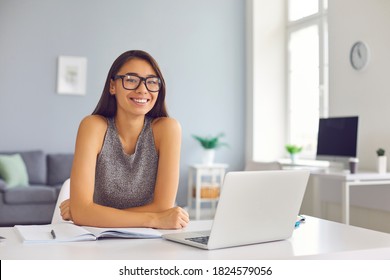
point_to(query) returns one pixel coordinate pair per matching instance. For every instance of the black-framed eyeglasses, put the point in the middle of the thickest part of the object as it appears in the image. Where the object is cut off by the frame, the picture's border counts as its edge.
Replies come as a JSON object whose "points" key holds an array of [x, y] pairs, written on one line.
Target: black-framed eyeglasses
{"points": [[132, 81]]}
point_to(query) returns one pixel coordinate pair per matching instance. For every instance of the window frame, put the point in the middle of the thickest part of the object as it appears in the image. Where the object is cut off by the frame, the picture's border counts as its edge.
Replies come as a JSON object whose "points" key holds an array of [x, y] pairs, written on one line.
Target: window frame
{"points": [[320, 20]]}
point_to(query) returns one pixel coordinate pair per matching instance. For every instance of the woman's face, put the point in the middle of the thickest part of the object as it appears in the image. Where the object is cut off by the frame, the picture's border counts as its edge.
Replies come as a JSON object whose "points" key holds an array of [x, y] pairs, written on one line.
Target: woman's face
{"points": [[140, 100]]}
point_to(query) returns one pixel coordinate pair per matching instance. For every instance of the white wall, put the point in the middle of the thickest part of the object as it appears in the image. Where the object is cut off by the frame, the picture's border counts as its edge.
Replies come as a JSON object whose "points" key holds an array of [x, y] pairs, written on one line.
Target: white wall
{"points": [[265, 80], [365, 93]]}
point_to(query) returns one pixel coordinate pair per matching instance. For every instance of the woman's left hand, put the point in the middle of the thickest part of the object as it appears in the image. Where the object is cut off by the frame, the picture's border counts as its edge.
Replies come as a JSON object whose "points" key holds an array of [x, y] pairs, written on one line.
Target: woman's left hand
{"points": [[65, 210]]}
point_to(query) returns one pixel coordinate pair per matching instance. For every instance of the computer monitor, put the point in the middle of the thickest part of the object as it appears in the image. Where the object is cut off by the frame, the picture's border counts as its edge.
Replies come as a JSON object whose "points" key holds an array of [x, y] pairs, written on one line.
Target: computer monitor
{"points": [[337, 139]]}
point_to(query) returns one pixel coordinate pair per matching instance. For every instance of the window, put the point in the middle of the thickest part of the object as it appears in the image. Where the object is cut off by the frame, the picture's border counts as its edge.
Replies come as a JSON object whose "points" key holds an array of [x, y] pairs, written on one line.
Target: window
{"points": [[307, 72]]}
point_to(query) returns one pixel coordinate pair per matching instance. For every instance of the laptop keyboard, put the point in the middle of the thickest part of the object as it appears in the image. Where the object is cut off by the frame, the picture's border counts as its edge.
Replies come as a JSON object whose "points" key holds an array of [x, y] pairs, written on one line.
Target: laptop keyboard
{"points": [[201, 239]]}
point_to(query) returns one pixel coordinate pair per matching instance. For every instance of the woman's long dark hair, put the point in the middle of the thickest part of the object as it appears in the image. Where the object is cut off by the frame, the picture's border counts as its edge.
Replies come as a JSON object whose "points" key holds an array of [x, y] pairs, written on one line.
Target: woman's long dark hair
{"points": [[107, 104]]}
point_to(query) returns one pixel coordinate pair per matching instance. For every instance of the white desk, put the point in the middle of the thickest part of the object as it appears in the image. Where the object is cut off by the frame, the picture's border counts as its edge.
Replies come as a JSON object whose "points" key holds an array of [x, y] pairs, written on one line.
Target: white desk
{"points": [[349, 180], [306, 163], [315, 239]]}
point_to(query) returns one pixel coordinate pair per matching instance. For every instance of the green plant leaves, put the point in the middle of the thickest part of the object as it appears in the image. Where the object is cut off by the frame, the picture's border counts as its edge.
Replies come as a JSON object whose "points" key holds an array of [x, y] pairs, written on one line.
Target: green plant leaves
{"points": [[380, 152], [293, 149], [210, 142]]}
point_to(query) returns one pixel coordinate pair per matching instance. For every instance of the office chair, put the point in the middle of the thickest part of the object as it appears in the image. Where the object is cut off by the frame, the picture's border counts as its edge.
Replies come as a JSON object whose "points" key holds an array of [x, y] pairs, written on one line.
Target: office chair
{"points": [[262, 165], [63, 195]]}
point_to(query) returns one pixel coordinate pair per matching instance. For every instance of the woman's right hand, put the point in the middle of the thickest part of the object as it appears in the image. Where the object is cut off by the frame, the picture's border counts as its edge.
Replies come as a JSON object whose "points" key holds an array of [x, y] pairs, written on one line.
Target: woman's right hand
{"points": [[173, 218], [65, 210]]}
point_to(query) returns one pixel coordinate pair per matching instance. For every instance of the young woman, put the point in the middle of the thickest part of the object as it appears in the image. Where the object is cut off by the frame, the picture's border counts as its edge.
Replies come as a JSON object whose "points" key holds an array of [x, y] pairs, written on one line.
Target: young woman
{"points": [[125, 171]]}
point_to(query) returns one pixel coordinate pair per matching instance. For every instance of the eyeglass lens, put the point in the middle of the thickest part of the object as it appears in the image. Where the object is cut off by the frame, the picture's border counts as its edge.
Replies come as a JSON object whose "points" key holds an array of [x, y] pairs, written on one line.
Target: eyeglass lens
{"points": [[132, 82]]}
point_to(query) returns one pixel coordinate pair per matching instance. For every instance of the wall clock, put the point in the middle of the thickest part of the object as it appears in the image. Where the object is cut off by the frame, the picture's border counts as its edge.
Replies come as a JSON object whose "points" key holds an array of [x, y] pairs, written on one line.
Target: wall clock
{"points": [[359, 55]]}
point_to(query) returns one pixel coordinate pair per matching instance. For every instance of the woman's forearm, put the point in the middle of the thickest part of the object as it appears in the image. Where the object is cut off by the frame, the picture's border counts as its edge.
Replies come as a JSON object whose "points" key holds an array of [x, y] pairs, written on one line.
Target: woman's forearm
{"points": [[153, 207], [102, 216]]}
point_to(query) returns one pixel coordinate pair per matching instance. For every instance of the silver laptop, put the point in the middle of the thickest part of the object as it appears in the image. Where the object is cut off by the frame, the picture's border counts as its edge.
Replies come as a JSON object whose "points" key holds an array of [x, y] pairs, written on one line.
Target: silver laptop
{"points": [[254, 207]]}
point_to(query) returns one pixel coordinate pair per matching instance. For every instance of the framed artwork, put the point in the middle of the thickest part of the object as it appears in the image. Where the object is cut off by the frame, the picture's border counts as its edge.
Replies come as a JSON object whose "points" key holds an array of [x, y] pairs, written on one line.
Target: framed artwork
{"points": [[72, 75]]}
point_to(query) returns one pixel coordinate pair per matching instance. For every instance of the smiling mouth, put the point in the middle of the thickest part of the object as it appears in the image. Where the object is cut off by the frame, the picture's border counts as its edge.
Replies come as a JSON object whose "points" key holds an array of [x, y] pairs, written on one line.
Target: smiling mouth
{"points": [[140, 100]]}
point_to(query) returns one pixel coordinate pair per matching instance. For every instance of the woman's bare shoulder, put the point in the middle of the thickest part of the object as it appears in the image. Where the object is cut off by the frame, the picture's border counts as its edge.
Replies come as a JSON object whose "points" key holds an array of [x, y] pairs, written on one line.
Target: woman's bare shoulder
{"points": [[166, 125], [91, 133], [94, 123]]}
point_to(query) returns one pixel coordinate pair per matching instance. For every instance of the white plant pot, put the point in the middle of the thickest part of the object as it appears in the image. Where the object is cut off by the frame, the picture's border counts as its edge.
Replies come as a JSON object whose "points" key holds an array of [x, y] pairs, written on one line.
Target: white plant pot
{"points": [[208, 156], [382, 164], [293, 158]]}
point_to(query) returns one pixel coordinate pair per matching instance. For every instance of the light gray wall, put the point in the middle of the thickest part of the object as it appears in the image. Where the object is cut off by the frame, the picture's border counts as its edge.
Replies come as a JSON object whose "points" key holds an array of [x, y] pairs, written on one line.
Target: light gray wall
{"points": [[199, 45], [365, 93]]}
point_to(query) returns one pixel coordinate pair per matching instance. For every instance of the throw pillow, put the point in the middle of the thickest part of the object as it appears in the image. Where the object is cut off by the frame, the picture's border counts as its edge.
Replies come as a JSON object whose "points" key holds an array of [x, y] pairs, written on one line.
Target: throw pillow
{"points": [[13, 170]]}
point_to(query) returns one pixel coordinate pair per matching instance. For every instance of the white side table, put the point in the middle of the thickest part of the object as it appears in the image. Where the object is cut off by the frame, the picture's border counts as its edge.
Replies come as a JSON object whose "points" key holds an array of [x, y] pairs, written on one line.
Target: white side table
{"points": [[209, 174]]}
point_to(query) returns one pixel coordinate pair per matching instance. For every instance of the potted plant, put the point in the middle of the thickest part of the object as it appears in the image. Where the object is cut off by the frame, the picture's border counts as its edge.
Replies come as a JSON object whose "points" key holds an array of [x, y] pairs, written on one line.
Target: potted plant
{"points": [[382, 161], [293, 150], [210, 144]]}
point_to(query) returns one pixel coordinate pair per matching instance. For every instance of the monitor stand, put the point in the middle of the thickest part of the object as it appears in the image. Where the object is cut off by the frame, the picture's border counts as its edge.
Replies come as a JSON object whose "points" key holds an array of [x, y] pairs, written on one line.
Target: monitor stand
{"points": [[335, 163]]}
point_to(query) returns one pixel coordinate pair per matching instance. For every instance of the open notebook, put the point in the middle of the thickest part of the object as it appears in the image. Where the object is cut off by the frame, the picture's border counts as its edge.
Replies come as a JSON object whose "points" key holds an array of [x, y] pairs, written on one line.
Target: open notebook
{"points": [[68, 232]]}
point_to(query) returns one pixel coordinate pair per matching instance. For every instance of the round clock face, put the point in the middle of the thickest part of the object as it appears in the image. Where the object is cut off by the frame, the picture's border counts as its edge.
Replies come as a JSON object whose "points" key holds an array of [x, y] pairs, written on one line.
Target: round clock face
{"points": [[359, 55]]}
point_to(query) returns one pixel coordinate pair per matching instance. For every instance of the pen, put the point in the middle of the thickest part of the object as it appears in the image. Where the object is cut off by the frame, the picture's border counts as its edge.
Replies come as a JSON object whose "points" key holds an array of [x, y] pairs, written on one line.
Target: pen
{"points": [[53, 234]]}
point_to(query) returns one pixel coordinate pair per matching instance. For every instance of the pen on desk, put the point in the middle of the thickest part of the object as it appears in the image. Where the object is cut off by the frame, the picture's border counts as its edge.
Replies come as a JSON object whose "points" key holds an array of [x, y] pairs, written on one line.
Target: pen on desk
{"points": [[53, 234]]}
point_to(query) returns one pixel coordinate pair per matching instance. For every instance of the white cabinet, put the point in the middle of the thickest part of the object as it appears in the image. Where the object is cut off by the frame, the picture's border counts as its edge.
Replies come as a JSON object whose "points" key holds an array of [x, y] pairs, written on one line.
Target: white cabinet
{"points": [[204, 185]]}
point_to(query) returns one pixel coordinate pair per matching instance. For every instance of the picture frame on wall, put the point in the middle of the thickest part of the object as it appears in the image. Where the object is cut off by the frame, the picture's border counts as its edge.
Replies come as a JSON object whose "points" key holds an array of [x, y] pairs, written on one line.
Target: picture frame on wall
{"points": [[72, 75]]}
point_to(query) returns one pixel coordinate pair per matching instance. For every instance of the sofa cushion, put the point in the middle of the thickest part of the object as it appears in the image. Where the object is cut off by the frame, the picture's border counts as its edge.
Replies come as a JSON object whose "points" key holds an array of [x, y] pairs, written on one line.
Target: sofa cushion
{"points": [[13, 170], [36, 166], [35, 163], [30, 195], [58, 168]]}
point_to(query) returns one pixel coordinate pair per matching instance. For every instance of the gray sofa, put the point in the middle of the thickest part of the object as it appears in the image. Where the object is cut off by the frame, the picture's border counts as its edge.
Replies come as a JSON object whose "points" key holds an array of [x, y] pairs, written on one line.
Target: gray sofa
{"points": [[35, 203]]}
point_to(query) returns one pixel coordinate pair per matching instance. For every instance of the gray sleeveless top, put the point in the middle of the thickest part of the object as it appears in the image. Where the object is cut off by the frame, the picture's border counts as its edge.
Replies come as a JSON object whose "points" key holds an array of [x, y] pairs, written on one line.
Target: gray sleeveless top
{"points": [[122, 180]]}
